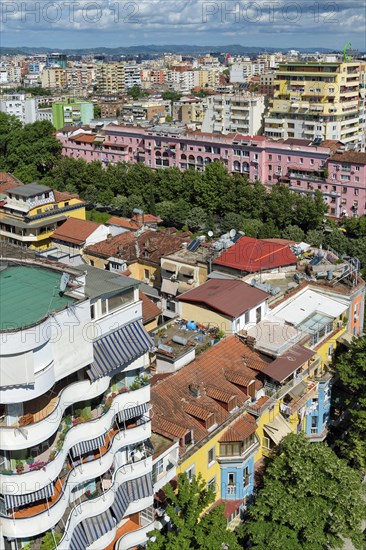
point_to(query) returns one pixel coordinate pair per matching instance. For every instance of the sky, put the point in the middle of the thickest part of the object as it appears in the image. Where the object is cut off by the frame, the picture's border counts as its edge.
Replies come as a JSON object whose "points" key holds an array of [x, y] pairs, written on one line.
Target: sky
{"points": [[113, 23]]}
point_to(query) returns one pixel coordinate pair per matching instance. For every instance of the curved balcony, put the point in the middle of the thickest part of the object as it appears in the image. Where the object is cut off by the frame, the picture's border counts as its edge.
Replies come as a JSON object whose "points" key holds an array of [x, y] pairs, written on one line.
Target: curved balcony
{"points": [[31, 481], [51, 515], [12, 439], [134, 538]]}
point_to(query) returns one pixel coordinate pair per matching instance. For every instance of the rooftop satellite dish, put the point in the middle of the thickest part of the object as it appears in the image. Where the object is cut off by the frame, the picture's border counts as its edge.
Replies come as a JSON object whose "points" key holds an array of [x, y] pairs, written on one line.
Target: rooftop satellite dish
{"points": [[232, 233], [210, 234]]}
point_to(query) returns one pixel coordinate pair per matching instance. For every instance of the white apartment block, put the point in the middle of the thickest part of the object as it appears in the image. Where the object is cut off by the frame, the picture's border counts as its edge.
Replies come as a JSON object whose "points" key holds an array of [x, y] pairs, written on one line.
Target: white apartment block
{"points": [[234, 113], [20, 106], [75, 455]]}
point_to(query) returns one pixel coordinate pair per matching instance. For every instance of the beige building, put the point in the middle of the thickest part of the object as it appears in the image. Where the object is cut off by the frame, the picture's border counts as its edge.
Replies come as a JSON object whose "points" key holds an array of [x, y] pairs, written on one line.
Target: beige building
{"points": [[242, 113], [316, 100], [54, 78], [110, 78]]}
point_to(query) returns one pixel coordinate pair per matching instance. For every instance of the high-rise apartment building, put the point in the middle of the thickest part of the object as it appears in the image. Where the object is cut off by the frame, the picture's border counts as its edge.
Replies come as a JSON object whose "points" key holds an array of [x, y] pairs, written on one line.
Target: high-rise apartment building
{"points": [[242, 113], [54, 78], [316, 100], [75, 457], [110, 78], [72, 113]]}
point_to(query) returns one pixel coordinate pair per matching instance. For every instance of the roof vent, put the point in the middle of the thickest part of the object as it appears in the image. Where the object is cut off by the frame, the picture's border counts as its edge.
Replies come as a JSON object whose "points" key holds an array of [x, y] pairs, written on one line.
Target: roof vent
{"points": [[194, 390]]}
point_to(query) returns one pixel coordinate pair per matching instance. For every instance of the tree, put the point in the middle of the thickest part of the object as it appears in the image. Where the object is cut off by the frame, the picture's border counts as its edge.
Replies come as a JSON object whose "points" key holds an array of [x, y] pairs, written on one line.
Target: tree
{"points": [[196, 218], [314, 237], [310, 500], [171, 96], [338, 241], [97, 111], [293, 233], [191, 527], [136, 91], [351, 369]]}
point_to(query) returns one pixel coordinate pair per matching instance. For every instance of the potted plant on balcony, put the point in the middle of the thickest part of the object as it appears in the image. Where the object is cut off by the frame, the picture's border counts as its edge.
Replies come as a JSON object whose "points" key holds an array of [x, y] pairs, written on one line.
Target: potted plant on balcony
{"points": [[7, 472], [29, 460], [52, 455], [19, 466], [124, 389]]}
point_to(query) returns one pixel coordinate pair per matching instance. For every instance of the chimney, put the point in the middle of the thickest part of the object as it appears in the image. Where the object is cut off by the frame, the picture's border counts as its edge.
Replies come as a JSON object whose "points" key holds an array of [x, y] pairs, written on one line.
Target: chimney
{"points": [[109, 237], [194, 390]]}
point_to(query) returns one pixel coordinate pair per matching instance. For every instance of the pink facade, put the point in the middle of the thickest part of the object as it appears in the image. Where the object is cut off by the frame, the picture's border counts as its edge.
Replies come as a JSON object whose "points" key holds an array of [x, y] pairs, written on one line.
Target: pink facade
{"points": [[341, 177]]}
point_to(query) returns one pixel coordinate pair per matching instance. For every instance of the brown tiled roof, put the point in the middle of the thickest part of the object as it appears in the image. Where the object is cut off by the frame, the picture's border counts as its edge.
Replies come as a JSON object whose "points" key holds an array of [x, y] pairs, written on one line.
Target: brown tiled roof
{"points": [[63, 196], [126, 223], [218, 395], [75, 231], [170, 396], [197, 412], [7, 181], [238, 379], [227, 296], [164, 425], [151, 246], [83, 138], [149, 309], [349, 156], [240, 430]]}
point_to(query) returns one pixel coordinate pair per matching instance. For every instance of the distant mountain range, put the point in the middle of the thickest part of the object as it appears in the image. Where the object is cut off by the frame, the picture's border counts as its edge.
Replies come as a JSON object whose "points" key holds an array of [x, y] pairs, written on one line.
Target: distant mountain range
{"points": [[184, 49]]}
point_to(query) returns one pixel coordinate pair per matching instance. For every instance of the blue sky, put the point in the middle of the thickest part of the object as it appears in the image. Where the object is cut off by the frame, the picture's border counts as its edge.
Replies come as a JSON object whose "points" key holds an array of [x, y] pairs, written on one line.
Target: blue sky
{"points": [[113, 23]]}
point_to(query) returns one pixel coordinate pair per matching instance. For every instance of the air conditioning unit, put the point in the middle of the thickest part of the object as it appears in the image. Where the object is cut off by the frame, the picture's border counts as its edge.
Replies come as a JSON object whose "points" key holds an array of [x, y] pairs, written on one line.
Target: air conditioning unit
{"points": [[173, 277], [190, 281], [152, 277], [340, 324], [147, 280]]}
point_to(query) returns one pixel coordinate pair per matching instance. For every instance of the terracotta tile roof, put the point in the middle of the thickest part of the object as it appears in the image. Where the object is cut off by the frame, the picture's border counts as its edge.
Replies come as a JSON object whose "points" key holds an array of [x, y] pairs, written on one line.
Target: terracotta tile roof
{"points": [[239, 379], [83, 138], [240, 430], [171, 396], [218, 395], [63, 196], [126, 223], [349, 156], [149, 246], [164, 425], [288, 363], [75, 231], [7, 181], [149, 309], [230, 506], [253, 255], [227, 296], [197, 412]]}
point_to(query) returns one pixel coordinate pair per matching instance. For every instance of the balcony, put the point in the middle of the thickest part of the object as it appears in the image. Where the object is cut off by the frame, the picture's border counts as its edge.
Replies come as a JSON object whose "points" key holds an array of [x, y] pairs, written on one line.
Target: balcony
{"points": [[135, 536], [277, 393], [50, 461], [40, 517]]}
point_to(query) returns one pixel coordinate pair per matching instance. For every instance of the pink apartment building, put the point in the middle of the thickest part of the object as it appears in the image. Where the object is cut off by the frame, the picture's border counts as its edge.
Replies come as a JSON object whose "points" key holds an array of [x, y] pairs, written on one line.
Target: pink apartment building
{"points": [[302, 165]]}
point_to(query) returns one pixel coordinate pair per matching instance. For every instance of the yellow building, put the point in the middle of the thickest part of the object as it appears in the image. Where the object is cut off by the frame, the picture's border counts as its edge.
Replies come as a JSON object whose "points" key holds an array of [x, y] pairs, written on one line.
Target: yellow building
{"points": [[316, 100], [54, 78], [29, 214], [110, 78]]}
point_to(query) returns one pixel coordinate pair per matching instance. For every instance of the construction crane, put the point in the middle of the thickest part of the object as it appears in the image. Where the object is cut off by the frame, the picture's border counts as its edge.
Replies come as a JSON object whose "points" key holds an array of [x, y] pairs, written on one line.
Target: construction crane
{"points": [[347, 58]]}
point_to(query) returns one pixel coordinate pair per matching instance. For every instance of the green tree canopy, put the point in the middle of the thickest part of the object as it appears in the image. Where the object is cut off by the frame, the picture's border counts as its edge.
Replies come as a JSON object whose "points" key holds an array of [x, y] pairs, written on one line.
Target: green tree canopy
{"points": [[351, 369], [191, 528], [310, 500]]}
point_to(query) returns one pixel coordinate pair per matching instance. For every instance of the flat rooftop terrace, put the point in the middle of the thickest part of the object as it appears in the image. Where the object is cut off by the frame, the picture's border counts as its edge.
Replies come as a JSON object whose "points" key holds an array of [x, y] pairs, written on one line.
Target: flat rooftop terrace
{"points": [[28, 294]]}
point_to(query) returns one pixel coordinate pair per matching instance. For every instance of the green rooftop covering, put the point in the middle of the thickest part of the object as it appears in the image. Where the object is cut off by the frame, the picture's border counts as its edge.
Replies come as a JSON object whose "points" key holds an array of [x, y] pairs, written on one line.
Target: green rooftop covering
{"points": [[28, 294]]}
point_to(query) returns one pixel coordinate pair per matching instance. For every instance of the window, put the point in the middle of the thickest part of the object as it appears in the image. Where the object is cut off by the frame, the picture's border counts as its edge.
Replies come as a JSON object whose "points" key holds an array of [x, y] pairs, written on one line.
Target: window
{"points": [[270, 157], [246, 318], [258, 314], [266, 442], [355, 192], [344, 189], [301, 161], [211, 455], [146, 274], [159, 467], [190, 472], [212, 483], [92, 311], [230, 449], [91, 262], [246, 476], [231, 484], [104, 307]]}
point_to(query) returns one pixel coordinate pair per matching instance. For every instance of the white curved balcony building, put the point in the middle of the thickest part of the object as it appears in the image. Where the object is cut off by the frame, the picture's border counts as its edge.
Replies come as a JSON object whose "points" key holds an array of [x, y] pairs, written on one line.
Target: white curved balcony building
{"points": [[74, 404]]}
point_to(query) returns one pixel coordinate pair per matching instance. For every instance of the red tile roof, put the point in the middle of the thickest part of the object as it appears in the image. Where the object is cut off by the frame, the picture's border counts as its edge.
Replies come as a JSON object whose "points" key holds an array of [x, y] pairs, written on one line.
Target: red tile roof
{"points": [[230, 506], [75, 231], [239, 430], [63, 196], [171, 397], [7, 181], [149, 309], [239, 379], [288, 363], [227, 296], [253, 255], [126, 223], [349, 156], [83, 138], [218, 395], [197, 412]]}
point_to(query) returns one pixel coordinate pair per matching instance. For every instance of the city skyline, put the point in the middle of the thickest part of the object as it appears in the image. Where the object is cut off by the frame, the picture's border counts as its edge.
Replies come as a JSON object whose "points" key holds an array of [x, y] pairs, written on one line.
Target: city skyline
{"points": [[265, 23]]}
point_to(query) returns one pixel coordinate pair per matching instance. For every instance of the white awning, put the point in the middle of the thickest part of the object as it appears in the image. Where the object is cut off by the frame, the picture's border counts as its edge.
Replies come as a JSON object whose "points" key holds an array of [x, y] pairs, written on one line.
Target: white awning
{"points": [[169, 287], [277, 429]]}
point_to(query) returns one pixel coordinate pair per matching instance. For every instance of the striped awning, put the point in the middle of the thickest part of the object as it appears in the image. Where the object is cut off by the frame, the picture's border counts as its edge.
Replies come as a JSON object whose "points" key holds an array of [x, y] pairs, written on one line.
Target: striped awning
{"points": [[97, 526], [78, 539], [141, 487], [121, 502], [13, 501], [132, 412], [87, 446], [118, 348]]}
